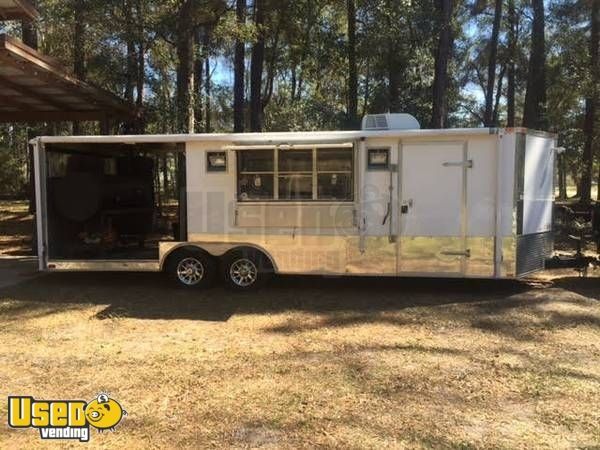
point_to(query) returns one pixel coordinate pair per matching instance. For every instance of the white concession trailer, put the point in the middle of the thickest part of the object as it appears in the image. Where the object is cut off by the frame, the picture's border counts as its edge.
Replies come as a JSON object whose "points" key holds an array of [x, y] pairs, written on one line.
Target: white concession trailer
{"points": [[388, 200]]}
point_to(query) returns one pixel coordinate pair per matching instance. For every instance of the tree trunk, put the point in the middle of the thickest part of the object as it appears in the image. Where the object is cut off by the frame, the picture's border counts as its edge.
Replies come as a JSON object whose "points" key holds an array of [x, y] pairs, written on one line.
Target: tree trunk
{"points": [[598, 184], [588, 152], [256, 69], [199, 77], [367, 93], [185, 68], [131, 59], [141, 68], [239, 92], [439, 115], [352, 67], [512, 57], [29, 31], [293, 83], [491, 78], [534, 115], [591, 106], [562, 178], [270, 78], [79, 40], [207, 80], [394, 72], [79, 48], [29, 37], [496, 113]]}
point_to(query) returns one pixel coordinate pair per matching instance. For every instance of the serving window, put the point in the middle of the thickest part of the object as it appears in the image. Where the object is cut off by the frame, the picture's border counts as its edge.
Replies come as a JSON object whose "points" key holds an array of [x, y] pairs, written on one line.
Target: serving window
{"points": [[307, 174], [256, 173]]}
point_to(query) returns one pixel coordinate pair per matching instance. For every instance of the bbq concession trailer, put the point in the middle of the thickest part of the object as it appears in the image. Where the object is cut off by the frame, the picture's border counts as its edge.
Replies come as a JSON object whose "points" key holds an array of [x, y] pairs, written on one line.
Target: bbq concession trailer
{"points": [[388, 200]]}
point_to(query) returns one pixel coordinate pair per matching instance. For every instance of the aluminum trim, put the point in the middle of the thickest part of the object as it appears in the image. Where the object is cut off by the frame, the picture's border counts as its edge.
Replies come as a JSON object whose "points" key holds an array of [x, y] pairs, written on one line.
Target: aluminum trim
{"points": [[269, 138], [361, 195], [400, 200], [40, 175], [104, 266], [531, 132], [498, 249], [554, 187], [519, 184], [339, 255], [464, 207]]}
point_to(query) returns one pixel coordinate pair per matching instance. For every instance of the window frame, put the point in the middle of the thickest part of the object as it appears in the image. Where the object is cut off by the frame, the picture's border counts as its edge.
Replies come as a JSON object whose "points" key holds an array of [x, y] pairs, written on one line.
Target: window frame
{"points": [[239, 173], [314, 173], [212, 170], [379, 167]]}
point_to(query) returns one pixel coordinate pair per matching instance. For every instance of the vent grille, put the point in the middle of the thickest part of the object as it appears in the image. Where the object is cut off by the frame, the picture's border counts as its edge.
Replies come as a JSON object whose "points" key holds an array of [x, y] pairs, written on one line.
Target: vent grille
{"points": [[390, 121], [377, 122], [532, 251]]}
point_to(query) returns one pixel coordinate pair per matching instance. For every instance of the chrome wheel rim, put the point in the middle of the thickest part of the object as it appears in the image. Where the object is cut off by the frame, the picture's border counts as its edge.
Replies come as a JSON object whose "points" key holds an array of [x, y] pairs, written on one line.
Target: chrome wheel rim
{"points": [[243, 272], [190, 271]]}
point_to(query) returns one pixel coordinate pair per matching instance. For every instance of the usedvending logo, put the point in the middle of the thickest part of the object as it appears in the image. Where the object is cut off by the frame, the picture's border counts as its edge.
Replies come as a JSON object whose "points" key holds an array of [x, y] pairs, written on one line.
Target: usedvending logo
{"points": [[65, 419]]}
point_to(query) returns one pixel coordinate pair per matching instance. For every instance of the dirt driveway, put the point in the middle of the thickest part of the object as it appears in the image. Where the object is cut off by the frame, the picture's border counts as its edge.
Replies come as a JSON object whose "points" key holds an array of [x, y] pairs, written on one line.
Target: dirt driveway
{"points": [[348, 363]]}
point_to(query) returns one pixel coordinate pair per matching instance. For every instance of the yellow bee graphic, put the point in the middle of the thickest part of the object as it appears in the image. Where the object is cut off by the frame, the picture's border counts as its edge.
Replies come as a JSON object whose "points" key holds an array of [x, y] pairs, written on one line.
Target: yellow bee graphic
{"points": [[104, 413]]}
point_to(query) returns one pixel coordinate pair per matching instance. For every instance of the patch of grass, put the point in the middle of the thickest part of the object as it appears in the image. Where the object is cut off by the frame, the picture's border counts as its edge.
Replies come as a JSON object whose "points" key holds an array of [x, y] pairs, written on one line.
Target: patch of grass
{"points": [[344, 363], [16, 227]]}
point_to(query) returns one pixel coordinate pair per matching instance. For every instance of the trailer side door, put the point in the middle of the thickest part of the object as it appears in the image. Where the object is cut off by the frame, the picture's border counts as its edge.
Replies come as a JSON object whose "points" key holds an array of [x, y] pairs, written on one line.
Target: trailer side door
{"points": [[432, 237]]}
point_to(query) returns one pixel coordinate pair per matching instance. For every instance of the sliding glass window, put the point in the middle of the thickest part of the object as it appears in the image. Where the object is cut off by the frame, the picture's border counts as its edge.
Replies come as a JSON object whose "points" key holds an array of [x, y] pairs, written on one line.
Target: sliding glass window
{"points": [[308, 174], [334, 174], [256, 175], [295, 174]]}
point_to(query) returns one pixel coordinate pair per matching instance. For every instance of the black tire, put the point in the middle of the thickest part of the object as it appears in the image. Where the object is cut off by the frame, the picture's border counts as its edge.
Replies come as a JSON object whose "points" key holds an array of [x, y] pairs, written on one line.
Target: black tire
{"points": [[192, 268], [246, 269]]}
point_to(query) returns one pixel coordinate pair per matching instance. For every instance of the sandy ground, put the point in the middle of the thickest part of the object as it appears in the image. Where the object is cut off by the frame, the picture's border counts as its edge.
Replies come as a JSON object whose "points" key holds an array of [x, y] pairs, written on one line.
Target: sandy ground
{"points": [[332, 362], [16, 227], [306, 362]]}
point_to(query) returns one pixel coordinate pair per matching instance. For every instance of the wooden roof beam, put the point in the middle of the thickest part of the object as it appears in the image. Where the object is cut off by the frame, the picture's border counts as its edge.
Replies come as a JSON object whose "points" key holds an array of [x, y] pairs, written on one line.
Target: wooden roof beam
{"points": [[53, 116], [14, 102], [50, 74], [27, 91], [49, 68], [22, 10]]}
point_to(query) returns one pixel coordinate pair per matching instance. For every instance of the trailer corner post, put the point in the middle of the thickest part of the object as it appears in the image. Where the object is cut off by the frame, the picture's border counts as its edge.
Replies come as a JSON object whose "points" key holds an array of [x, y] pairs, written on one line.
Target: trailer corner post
{"points": [[360, 168], [40, 214], [498, 247]]}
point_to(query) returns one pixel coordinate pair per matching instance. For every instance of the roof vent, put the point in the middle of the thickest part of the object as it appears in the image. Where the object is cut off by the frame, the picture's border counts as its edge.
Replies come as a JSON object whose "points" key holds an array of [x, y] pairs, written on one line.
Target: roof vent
{"points": [[388, 121]]}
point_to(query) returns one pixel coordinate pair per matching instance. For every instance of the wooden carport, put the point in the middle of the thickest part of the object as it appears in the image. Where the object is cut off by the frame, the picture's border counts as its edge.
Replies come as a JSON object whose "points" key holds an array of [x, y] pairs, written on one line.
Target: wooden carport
{"points": [[17, 10], [35, 88]]}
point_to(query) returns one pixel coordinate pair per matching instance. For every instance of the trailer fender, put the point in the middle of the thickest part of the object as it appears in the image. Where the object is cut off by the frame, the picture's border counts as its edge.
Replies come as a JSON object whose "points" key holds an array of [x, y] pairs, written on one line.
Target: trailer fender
{"points": [[216, 249]]}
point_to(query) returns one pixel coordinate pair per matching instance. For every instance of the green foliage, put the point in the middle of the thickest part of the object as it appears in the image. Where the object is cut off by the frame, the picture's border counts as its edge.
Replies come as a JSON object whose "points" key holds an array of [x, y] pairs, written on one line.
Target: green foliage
{"points": [[305, 78], [13, 162]]}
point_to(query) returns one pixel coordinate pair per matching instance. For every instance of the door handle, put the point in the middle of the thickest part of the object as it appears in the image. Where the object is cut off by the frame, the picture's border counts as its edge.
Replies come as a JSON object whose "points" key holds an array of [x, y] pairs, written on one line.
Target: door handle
{"points": [[406, 206]]}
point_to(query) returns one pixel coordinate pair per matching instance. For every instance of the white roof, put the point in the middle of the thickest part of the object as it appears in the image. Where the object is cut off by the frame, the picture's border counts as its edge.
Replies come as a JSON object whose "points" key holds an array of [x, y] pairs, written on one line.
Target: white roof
{"points": [[286, 138], [267, 138]]}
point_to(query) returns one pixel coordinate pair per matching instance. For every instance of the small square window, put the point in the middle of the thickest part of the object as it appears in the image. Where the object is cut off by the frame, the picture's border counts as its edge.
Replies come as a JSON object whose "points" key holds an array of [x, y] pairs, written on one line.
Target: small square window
{"points": [[216, 162], [379, 158]]}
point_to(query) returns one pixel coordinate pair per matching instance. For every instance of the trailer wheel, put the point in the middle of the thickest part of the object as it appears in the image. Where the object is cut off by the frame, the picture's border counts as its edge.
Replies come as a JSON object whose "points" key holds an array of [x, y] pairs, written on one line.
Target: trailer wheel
{"points": [[192, 268], [246, 269]]}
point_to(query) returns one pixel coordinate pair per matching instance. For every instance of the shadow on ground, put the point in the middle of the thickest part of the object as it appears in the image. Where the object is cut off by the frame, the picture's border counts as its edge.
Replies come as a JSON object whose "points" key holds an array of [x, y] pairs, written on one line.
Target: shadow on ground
{"points": [[588, 287], [151, 296]]}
